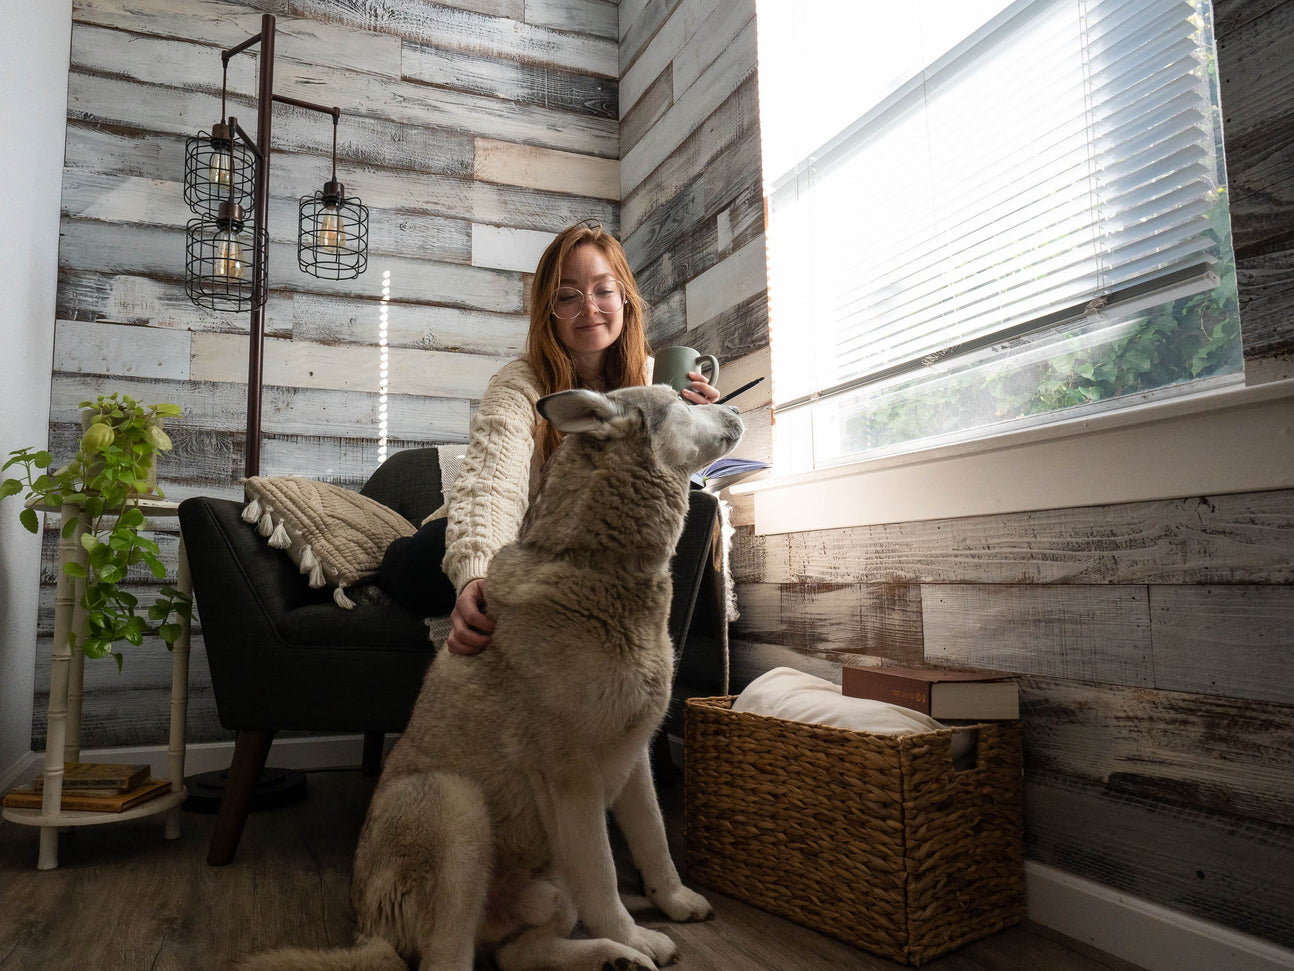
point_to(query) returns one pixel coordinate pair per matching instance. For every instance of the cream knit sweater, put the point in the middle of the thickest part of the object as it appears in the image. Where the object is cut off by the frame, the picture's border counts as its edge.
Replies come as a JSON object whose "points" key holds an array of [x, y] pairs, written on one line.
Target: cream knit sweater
{"points": [[500, 473]]}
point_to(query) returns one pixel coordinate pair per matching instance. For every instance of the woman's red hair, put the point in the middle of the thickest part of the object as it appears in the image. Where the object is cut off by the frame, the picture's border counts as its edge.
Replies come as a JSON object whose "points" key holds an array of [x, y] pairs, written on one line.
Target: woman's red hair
{"points": [[626, 360]]}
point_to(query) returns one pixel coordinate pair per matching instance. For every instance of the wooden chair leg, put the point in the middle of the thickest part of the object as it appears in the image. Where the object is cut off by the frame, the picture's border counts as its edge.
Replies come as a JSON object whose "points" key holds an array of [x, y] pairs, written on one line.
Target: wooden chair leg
{"points": [[251, 749], [372, 759]]}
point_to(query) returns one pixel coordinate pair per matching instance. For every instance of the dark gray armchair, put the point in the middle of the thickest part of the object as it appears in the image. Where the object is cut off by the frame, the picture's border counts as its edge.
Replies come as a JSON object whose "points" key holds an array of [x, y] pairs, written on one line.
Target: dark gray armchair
{"points": [[284, 657]]}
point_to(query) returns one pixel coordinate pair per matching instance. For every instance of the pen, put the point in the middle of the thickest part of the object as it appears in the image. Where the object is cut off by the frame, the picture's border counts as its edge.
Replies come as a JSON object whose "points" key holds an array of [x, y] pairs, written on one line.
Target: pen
{"points": [[745, 387]]}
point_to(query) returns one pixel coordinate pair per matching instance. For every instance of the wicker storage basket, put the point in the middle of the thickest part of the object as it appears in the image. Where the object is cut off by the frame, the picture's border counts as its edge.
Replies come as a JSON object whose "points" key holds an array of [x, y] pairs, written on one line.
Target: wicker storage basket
{"points": [[872, 839]]}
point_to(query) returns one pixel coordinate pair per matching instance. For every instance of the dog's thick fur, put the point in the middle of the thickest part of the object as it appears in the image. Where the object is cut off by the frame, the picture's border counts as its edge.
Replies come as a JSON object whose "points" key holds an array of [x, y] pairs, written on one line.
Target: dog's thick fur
{"points": [[487, 828]]}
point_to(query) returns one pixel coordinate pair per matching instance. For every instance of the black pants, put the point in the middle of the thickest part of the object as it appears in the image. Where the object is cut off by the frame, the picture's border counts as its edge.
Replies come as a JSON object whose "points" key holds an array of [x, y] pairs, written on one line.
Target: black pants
{"points": [[410, 572]]}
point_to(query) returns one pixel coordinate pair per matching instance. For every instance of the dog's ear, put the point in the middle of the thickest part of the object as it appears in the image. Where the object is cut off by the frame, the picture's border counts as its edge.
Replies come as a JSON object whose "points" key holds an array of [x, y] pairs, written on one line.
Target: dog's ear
{"points": [[578, 410]]}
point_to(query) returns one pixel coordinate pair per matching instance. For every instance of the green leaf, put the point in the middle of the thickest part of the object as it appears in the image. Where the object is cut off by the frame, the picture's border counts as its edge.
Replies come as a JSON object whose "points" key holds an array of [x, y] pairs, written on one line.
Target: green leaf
{"points": [[132, 518], [10, 487], [69, 527], [42, 460], [170, 632], [29, 520], [75, 570], [111, 573], [154, 566], [89, 541]]}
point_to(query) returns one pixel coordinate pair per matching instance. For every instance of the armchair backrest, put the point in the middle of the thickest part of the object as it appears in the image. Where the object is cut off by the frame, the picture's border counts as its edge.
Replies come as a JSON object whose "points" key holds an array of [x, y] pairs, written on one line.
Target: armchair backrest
{"points": [[409, 483]]}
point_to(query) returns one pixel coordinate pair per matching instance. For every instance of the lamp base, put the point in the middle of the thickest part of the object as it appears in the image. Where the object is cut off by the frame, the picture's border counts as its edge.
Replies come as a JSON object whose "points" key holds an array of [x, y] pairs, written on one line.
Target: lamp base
{"points": [[274, 788]]}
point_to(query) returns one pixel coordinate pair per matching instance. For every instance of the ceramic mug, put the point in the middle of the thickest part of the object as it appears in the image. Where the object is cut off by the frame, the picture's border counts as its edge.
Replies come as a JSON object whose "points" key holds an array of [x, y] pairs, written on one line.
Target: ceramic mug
{"points": [[673, 364]]}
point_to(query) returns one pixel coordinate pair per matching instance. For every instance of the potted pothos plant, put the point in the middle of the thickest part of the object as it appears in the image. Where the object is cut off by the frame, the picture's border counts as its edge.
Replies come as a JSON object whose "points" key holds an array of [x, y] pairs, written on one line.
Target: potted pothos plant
{"points": [[112, 468]]}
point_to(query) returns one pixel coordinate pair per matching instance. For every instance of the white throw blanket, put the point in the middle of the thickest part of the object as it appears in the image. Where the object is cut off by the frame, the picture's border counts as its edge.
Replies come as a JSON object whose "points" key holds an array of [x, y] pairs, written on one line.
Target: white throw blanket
{"points": [[795, 696]]}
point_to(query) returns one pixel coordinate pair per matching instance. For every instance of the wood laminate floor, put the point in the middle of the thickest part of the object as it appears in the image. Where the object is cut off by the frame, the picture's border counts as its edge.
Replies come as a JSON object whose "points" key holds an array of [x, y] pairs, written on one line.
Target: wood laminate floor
{"points": [[124, 899]]}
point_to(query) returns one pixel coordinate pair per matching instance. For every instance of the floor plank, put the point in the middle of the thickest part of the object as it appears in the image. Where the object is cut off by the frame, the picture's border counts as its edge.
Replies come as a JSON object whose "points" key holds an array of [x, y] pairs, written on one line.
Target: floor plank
{"points": [[124, 899]]}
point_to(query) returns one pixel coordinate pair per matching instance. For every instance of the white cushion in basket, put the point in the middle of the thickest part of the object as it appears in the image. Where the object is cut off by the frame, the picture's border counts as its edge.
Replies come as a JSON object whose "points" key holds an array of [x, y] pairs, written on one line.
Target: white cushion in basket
{"points": [[335, 535]]}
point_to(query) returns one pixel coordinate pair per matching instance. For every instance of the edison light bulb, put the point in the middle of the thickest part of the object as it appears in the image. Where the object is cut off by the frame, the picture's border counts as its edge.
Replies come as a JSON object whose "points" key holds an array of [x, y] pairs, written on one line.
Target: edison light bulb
{"points": [[220, 168], [332, 234], [229, 256]]}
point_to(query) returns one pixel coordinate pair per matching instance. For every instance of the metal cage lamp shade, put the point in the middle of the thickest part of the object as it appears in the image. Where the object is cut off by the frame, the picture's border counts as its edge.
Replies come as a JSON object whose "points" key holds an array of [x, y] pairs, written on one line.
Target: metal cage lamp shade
{"points": [[218, 269], [332, 241], [218, 167]]}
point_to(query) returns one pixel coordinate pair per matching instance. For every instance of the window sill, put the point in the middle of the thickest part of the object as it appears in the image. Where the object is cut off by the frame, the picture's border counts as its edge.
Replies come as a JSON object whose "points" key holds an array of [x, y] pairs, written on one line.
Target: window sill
{"points": [[1233, 440]]}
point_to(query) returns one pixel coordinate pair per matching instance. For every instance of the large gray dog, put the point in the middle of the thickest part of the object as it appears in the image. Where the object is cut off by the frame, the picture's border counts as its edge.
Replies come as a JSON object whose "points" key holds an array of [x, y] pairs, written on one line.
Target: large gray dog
{"points": [[487, 829]]}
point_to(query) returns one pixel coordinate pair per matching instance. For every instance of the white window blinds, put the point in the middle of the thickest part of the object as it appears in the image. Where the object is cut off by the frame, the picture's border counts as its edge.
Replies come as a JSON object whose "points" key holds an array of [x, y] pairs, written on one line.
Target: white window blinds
{"points": [[1063, 153]]}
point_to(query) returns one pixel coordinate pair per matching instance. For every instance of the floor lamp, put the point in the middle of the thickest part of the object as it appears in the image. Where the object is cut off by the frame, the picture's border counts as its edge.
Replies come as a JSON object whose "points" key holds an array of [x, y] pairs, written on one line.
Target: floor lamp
{"points": [[226, 177]]}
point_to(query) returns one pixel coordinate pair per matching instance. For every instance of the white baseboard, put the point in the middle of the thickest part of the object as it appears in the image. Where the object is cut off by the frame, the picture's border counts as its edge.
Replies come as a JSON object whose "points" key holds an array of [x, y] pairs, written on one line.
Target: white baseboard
{"points": [[314, 752], [1146, 934]]}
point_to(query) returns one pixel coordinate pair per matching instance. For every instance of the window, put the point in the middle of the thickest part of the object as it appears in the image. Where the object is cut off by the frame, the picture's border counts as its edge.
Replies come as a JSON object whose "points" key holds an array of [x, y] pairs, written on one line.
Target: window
{"points": [[986, 215]]}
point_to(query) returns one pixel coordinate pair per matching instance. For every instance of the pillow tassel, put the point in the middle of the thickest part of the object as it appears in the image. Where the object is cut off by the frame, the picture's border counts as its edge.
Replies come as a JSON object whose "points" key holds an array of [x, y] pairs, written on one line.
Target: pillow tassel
{"points": [[308, 561], [266, 526], [341, 600], [252, 511], [317, 578], [279, 539]]}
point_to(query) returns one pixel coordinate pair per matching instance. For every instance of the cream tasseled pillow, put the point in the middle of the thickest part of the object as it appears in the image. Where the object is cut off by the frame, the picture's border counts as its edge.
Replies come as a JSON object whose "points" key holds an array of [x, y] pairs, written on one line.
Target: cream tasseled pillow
{"points": [[336, 536]]}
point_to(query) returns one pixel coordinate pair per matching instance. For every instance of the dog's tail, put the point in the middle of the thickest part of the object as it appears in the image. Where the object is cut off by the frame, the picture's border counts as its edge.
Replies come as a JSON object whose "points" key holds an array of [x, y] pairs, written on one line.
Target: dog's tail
{"points": [[371, 954]]}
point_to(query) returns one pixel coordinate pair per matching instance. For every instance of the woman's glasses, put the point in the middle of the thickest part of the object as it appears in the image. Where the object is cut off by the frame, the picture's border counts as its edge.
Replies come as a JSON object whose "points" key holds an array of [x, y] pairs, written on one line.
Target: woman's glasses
{"points": [[568, 302]]}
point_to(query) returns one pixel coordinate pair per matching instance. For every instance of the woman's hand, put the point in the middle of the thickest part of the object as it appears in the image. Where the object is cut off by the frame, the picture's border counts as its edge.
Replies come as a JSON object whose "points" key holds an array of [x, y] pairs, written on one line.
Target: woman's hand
{"points": [[471, 629], [700, 393]]}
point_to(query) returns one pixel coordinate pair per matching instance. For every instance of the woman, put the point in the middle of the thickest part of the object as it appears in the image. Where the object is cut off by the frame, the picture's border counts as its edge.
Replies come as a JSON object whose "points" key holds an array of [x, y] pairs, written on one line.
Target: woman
{"points": [[586, 331]]}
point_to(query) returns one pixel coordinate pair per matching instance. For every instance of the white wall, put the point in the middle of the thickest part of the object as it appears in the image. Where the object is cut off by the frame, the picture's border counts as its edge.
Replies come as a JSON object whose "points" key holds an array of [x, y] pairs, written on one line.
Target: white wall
{"points": [[33, 112]]}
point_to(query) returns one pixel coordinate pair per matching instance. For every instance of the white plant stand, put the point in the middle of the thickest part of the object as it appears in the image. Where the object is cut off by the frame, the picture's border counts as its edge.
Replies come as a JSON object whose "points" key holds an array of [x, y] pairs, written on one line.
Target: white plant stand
{"points": [[63, 735]]}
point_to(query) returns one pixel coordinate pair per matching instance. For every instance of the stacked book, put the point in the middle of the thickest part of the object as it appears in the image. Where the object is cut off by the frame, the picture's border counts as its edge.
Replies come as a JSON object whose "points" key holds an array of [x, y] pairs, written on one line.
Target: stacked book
{"points": [[945, 695], [93, 787]]}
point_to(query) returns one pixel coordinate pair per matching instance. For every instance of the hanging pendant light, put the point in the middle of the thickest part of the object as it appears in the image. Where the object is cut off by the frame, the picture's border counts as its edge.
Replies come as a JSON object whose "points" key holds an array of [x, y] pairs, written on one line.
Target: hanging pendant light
{"points": [[332, 242], [217, 167], [220, 249]]}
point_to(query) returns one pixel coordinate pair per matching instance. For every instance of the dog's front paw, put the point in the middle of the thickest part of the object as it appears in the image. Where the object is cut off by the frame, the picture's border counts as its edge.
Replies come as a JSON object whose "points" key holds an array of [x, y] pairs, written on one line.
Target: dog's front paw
{"points": [[660, 946], [681, 904]]}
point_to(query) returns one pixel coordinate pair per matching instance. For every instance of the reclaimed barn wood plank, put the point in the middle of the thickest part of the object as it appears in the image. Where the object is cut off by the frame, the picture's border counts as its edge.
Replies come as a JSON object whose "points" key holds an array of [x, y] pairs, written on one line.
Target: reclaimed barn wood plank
{"points": [[157, 251], [1216, 754], [347, 367], [1209, 865], [735, 118], [284, 411], [657, 56], [223, 25], [719, 26], [346, 462], [198, 457], [601, 18], [1088, 633], [508, 249], [691, 108], [434, 328], [830, 621], [97, 348], [736, 331], [147, 665], [737, 277], [541, 168], [1266, 285], [1242, 538], [533, 84], [133, 141], [638, 120], [1235, 640], [355, 93], [749, 659], [1257, 86], [500, 37], [134, 299], [640, 24]]}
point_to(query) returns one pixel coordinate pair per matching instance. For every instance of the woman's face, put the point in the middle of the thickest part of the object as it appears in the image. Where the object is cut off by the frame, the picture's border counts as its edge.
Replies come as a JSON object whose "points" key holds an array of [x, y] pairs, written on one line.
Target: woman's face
{"points": [[588, 335]]}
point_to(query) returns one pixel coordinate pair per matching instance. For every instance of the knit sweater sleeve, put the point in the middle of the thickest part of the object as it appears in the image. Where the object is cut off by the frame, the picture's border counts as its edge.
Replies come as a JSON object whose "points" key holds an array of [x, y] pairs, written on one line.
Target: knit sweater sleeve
{"points": [[489, 498]]}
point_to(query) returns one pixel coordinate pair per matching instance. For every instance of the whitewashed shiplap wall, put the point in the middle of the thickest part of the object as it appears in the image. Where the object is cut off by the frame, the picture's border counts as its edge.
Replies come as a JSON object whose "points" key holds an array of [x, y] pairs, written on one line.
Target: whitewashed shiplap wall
{"points": [[473, 130], [692, 211]]}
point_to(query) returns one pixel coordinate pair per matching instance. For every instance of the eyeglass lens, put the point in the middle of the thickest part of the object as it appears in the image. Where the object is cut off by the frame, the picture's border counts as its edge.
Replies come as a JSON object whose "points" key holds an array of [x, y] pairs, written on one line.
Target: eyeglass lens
{"points": [[568, 302]]}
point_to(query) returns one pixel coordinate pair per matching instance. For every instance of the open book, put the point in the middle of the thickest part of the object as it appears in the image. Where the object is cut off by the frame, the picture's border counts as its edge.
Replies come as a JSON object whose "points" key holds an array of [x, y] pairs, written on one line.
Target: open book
{"points": [[725, 471]]}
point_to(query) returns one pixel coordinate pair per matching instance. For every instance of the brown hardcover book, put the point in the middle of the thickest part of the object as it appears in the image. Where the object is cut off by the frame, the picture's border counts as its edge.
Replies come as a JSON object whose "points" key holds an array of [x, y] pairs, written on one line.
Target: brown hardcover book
{"points": [[29, 798], [104, 776], [953, 695]]}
